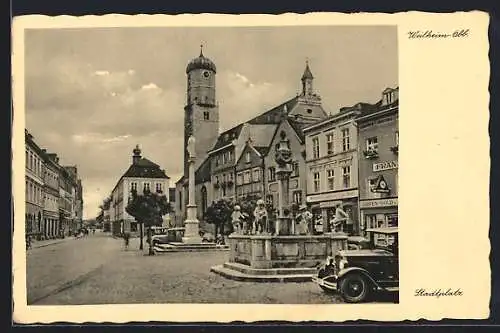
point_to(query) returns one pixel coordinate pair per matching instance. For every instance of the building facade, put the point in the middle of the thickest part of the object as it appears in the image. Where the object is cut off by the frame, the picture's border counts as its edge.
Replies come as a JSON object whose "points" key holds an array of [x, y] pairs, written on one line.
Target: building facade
{"points": [[250, 169], [51, 224], [66, 201], [34, 191], [142, 175], [378, 145], [332, 167]]}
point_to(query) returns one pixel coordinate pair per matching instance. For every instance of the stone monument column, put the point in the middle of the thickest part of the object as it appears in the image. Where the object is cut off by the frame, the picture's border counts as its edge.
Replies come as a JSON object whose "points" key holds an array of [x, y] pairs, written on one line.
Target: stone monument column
{"points": [[283, 160], [192, 225]]}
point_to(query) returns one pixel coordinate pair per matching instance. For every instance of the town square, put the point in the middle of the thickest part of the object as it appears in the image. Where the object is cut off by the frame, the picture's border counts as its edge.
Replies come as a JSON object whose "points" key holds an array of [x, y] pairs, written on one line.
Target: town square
{"points": [[162, 168]]}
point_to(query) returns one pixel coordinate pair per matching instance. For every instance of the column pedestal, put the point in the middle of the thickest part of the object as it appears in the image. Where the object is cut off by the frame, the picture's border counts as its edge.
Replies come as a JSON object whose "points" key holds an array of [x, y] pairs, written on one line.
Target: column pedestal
{"points": [[192, 225]]}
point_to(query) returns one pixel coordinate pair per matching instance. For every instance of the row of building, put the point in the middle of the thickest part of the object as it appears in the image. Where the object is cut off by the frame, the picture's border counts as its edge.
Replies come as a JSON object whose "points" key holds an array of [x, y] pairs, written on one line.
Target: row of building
{"points": [[348, 157], [53, 194]]}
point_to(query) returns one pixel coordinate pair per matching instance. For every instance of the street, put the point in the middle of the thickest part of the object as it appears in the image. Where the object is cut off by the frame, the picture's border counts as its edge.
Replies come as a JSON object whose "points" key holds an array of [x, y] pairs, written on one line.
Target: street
{"points": [[97, 270]]}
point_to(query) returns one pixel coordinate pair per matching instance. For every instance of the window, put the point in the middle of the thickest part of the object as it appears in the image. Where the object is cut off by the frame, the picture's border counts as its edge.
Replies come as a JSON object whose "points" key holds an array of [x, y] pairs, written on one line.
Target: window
{"points": [[247, 157], [216, 179], [329, 143], [246, 177], [230, 155], [146, 187], [316, 182], [397, 138], [31, 161], [345, 139], [256, 175], [297, 197], [315, 142], [330, 176], [217, 161], [133, 186], [158, 188], [272, 174], [372, 144], [206, 115], [27, 158], [269, 199], [346, 176], [224, 158], [239, 178], [295, 169], [224, 178]]}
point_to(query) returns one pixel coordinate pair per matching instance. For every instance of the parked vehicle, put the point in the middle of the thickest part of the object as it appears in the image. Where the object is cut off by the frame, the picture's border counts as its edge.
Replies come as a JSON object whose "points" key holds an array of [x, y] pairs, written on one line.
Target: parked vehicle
{"points": [[356, 274], [164, 235]]}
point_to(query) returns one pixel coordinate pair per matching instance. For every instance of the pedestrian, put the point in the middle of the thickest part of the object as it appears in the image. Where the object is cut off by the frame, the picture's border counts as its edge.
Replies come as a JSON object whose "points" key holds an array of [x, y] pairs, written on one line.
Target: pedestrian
{"points": [[126, 239], [28, 242]]}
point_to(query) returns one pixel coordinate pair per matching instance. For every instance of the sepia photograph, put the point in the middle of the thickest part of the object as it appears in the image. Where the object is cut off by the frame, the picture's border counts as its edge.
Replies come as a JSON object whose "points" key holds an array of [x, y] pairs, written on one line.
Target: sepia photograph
{"points": [[221, 168], [212, 165]]}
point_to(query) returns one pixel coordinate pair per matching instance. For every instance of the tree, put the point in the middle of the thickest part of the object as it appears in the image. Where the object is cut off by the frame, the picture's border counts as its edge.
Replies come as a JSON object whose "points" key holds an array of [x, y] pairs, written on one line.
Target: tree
{"points": [[219, 214], [148, 210]]}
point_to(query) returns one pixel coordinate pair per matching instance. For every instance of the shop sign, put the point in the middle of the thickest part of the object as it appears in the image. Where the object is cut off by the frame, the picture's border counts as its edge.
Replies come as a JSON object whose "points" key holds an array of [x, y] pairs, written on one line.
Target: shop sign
{"points": [[332, 196], [378, 203], [387, 165]]}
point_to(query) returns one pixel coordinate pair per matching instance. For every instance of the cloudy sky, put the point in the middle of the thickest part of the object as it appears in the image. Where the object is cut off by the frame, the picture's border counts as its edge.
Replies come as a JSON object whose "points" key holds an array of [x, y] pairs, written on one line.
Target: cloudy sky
{"points": [[93, 94]]}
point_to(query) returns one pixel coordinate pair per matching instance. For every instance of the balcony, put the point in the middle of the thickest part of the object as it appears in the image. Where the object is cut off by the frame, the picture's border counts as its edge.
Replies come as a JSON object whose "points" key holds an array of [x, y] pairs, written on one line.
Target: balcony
{"points": [[370, 154]]}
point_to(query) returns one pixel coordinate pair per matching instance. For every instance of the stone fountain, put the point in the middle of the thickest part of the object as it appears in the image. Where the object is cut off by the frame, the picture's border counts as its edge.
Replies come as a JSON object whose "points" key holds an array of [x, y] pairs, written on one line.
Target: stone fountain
{"points": [[283, 256]]}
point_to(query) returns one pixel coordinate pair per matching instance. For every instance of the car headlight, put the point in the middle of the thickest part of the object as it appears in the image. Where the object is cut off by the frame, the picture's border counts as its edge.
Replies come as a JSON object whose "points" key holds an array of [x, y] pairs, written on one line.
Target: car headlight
{"points": [[343, 263]]}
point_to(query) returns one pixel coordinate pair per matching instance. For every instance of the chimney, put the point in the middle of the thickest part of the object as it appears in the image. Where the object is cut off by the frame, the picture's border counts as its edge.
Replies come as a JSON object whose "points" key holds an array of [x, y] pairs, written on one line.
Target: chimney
{"points": [[137, 155]]}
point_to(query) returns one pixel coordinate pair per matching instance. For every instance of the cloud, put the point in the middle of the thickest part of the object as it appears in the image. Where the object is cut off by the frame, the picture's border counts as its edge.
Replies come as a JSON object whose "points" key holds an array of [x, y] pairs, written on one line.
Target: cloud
{"points": [[243, 98], [149, 86], [101, 73]]}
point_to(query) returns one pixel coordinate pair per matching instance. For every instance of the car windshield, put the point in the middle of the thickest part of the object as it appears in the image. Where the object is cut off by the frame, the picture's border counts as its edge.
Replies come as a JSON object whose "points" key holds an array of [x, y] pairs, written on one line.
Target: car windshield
{"points": [[384, 240]]}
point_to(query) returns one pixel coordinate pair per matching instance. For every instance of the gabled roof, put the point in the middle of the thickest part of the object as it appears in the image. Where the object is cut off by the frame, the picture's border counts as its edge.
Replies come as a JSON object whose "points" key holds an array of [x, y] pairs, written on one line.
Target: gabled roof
{"points": [[228, 136], [298, 127], [274, 115], [144, 168]]}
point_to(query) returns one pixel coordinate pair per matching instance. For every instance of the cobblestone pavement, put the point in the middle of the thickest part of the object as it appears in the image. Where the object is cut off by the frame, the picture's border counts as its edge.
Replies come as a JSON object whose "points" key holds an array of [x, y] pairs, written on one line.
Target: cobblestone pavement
{"points": [[57, 266], [131, 277]]}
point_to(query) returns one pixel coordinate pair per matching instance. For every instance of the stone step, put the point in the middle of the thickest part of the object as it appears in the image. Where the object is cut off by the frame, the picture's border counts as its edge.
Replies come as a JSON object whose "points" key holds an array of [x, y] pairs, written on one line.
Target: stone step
{"points": [[239, 276], [269, 271], [170, 248]]}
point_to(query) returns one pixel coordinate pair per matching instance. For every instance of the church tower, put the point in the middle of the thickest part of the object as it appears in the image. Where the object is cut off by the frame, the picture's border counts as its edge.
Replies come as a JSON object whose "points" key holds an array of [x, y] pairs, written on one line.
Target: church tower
{"points": [[307, 81], [201, 118]]}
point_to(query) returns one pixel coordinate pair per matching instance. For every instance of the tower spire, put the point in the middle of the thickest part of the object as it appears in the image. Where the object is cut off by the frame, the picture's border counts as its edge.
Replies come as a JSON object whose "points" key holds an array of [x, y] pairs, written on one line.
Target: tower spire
{"points": [[307, 80]]}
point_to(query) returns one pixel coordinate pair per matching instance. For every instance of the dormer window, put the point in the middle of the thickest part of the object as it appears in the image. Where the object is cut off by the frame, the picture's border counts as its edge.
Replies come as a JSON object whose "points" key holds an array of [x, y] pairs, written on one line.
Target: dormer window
{"points": [[247, 157]]}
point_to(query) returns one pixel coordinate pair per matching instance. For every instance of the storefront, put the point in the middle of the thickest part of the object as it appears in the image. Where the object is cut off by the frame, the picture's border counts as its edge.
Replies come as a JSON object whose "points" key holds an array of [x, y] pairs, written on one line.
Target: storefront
{"points": [[324, 205], [379, 213]]}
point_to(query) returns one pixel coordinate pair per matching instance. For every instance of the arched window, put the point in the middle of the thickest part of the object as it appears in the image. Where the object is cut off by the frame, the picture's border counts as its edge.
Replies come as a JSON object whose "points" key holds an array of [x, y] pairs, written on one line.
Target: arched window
{"points": [[204, 201]]}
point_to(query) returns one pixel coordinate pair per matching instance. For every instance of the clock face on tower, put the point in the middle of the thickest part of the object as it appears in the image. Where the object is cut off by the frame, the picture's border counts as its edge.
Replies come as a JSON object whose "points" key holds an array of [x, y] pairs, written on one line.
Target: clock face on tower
{"points": [[206, 74]]}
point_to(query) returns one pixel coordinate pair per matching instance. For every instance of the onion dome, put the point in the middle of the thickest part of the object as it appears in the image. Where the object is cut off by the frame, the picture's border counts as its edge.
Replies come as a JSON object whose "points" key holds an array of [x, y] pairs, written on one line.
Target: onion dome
{"points": [[201, 62]]}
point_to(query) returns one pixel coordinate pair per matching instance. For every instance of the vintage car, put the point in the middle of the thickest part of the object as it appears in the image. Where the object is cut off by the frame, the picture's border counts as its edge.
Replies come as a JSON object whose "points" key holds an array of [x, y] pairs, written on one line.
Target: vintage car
{"points": [[356, 274], [164, 235]]}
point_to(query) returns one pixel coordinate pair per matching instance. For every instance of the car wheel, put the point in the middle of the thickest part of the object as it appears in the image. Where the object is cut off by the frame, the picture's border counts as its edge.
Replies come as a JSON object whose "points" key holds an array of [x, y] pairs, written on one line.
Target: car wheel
{"points": [[354, 288]]}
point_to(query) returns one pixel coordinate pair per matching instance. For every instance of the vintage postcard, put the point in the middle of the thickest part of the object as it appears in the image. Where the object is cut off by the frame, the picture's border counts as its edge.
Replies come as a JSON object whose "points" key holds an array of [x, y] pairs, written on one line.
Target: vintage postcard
{"points": [[195, 168]]}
